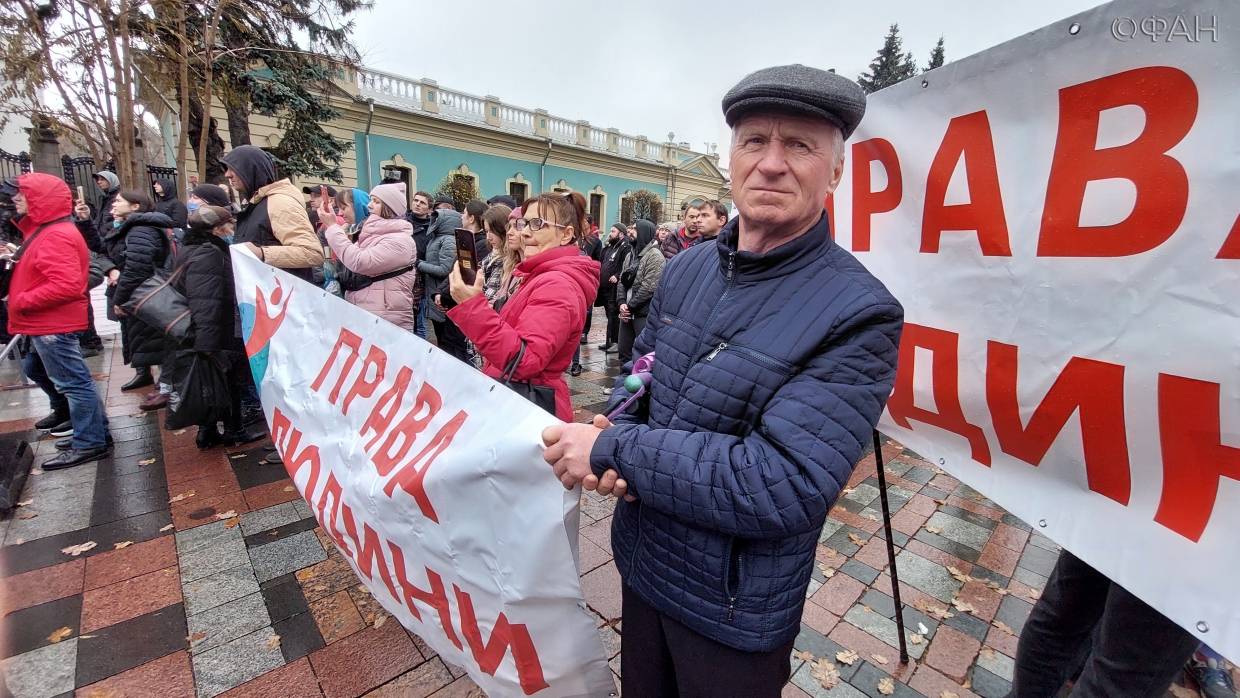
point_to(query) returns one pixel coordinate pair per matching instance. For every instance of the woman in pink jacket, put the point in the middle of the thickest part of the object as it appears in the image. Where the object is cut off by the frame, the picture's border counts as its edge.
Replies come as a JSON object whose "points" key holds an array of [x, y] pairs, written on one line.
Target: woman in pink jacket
{"points": [[382, 278]]}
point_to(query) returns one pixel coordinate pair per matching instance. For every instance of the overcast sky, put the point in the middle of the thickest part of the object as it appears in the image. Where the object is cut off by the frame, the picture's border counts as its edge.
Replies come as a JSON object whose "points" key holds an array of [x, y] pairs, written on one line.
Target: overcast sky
{"points": [[660, 65]]}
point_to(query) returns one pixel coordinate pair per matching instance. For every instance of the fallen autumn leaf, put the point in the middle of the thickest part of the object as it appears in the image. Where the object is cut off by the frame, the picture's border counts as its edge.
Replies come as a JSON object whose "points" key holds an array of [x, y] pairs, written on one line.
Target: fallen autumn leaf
{"points": [[805, 656], [934, 529], [886, 686], [273, 642], [181, 497], [25, 502], [169, 527], [847, 657], [147, 461], [916, 638], [225, 515], [122, 544], [59, 634], [76, 550], [879, 658], [232, 523], [825, 673]]}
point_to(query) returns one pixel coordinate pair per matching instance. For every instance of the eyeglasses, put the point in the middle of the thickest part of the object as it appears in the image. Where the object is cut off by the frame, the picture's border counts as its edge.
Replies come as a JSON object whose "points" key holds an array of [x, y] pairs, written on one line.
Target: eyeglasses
{"points": [[535, 224]]}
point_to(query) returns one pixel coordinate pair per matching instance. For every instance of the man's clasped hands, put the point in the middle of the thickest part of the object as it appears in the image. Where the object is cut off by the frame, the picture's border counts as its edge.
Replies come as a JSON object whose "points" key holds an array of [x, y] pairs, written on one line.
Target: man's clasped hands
{"points": [[568, 449]]}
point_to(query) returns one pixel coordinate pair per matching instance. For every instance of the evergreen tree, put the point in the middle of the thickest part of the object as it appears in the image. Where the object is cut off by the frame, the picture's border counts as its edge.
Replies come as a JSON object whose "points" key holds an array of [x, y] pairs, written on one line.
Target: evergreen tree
{"points": [[890, 66], [937, 54]]}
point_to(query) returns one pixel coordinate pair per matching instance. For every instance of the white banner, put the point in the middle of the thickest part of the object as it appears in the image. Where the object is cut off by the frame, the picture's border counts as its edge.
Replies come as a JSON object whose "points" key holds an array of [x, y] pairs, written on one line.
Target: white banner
{"points": [[429, 478], [1058, 216]]}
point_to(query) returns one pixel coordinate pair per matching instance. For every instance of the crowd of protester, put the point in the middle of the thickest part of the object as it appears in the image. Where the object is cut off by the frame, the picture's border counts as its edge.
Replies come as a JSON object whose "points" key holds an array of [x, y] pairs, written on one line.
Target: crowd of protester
{"points": [[543, 266]]}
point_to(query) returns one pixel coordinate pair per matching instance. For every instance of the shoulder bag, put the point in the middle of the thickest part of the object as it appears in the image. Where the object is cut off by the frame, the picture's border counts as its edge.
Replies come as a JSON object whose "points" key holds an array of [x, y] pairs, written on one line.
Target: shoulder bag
{"points": [[541, 395]]}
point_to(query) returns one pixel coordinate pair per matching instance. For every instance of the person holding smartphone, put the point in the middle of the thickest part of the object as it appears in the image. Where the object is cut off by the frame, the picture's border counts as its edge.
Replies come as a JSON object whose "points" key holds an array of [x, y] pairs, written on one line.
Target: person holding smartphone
{"points": [[540, 325]]}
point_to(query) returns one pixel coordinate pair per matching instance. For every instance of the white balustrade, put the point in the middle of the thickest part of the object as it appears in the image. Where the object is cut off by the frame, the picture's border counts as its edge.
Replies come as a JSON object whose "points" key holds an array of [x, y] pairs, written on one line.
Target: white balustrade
{"points": [[404, 93], [462, 106]]}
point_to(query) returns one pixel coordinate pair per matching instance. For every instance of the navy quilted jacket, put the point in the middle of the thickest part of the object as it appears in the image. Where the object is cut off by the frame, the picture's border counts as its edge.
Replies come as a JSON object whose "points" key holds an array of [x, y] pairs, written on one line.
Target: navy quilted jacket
{"points": [[771, 371]]}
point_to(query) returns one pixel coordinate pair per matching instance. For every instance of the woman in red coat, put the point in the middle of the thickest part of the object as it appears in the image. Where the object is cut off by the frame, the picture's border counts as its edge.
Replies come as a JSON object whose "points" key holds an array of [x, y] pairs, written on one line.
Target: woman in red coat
{"points": [[555, 287]]}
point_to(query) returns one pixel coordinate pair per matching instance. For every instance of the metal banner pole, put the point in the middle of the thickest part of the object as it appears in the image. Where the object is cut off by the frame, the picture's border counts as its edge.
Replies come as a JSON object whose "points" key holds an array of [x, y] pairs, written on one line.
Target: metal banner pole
{"points": [[891, 548]]}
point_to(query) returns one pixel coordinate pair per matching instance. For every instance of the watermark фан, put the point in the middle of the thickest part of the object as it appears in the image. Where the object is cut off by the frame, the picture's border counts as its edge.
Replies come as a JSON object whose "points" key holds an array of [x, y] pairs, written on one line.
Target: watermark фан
{"points": [[1156, 28]]}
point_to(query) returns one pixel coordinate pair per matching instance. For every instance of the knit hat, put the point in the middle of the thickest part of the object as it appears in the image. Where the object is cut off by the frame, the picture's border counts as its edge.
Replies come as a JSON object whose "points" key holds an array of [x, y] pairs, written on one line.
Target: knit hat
{"points": [[516, 213], [624, 229], [393, 196], [502, 199], [212, 194], [206, 218], [114, 182], [445, 199]]}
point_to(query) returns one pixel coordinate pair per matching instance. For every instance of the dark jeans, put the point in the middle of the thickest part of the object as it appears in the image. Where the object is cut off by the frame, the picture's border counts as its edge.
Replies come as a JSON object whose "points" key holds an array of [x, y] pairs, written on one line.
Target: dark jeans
{"points": [[584, 332], [419, 319], [661, 657], [451, 339], [56, 365], [89, 337], [629, 330], [1136, 651]]}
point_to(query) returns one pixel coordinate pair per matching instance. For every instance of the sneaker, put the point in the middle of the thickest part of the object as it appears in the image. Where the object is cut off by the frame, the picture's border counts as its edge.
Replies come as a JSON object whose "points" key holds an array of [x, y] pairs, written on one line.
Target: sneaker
{"points": [[63, 429], [74, 456], [604, 346], [575, 370], [51, 421], [1212, 678]]}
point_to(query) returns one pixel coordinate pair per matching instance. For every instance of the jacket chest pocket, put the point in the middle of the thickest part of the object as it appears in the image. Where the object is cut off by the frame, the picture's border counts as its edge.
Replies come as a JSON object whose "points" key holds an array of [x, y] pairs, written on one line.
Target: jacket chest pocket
{"points": [[731, 384]]}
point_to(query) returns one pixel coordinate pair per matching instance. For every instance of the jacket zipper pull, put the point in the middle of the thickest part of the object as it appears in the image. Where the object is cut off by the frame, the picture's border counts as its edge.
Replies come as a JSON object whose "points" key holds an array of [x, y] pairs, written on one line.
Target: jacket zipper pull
{"points": [[731, 264], [731, 607], [715, 352]]}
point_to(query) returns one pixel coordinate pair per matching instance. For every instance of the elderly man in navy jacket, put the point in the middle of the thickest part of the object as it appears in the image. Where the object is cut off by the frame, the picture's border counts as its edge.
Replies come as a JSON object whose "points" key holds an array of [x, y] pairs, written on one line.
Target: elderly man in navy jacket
{"points": [[775, 353]]}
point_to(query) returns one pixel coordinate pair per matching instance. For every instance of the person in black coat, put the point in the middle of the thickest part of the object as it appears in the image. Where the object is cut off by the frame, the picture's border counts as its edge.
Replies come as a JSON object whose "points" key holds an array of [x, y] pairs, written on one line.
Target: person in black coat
{"points": [[420, 216], [139, 245], [168, 203], [615, 254], [203, 274]]}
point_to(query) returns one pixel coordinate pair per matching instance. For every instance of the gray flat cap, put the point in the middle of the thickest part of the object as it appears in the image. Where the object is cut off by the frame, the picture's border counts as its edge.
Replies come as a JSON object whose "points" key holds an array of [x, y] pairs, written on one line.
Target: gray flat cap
{"points": [[798, 89]]}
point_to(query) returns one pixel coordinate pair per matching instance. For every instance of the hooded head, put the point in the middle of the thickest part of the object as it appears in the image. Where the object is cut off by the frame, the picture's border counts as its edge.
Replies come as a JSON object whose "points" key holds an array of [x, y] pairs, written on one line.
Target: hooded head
{"points": [[645, 234], [361, 202], [110, 177], [169, 189], [47, 198], [444, 221], [250, 168], [393, 196]]}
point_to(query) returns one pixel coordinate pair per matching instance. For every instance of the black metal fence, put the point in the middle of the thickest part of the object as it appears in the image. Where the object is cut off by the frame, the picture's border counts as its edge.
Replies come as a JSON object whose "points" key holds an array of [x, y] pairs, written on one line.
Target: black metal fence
{"points": [[156, 172], [12, 165], [80, 175]]}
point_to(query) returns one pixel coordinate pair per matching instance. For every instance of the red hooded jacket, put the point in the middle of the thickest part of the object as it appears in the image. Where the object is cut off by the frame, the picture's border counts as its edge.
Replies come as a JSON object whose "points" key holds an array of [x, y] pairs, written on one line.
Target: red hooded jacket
{"points": [[47, 292], [548, 312]]}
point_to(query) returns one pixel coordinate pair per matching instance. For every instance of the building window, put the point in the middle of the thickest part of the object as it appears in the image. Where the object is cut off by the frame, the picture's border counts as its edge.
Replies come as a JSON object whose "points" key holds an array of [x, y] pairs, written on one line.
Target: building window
{"points": [[597, 205], [400, 170], [626, 210], [561, 187], [519, 191]]}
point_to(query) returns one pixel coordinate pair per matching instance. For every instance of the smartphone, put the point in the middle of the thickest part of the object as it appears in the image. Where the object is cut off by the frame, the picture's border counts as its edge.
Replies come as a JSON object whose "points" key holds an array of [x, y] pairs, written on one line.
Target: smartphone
{"points": [[466, 255], [81, 194]]}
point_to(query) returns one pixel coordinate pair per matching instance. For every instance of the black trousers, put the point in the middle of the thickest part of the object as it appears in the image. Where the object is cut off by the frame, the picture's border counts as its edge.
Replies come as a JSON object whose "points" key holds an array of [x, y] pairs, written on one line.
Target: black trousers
{"points": [[1129, 649], [612, 308], [451, 339], [629, 329], [662, 658]]}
